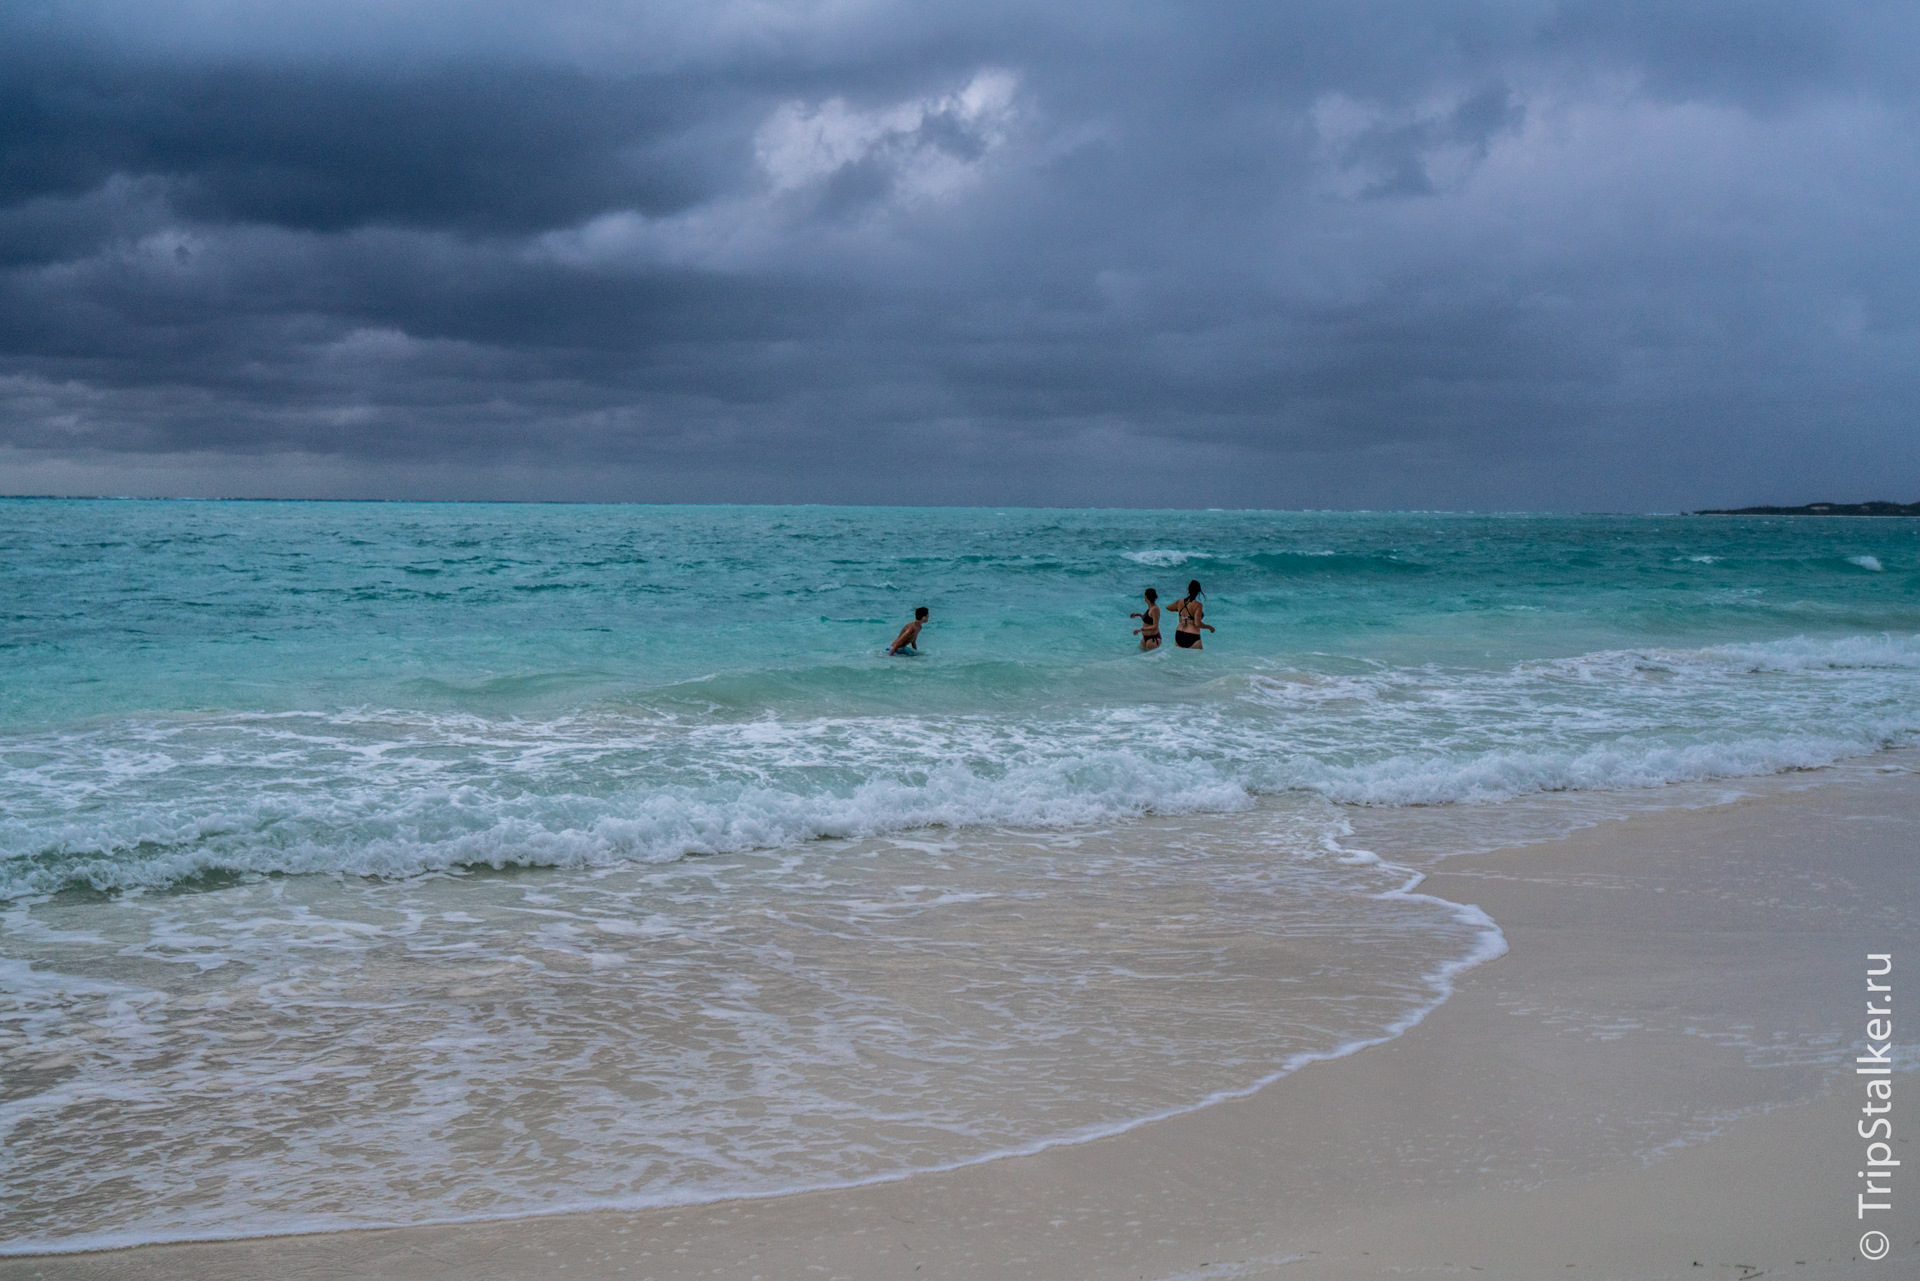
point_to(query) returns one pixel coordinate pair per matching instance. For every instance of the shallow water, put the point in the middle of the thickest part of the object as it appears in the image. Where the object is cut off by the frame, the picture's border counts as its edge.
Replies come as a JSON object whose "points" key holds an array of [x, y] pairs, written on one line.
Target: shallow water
{"points": [[382, 863], [305, 1052]]}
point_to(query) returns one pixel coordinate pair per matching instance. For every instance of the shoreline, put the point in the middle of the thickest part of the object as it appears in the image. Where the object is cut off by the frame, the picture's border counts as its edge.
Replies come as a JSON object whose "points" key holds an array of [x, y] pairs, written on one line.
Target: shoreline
{"points": [[1394, 881], [1491, 946], [1385, 1158]]}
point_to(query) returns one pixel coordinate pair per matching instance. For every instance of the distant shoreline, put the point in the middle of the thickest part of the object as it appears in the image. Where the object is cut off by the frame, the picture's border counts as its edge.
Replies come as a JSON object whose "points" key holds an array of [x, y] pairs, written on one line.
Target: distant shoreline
{"points": [[1819, 509]]}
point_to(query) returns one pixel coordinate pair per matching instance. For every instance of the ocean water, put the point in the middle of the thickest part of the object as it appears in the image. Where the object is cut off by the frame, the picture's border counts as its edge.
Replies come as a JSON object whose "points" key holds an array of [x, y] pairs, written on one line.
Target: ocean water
{"points": [[379, 863]]}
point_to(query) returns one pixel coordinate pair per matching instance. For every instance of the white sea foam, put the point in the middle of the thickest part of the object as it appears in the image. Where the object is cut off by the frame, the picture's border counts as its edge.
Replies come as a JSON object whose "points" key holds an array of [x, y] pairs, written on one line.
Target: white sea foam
{"points": [[1164, 557], [395, 812], [741, 1027], [1867, 562], [388, 793], [1502, 776]]}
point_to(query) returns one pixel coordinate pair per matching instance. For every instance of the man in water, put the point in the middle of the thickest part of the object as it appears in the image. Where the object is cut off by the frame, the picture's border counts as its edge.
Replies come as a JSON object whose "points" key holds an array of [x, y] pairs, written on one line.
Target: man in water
{"points": [[909, 636]]}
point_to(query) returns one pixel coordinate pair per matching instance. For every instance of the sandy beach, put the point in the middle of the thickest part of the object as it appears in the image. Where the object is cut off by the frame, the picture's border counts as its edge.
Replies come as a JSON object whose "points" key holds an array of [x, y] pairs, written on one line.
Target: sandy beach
{"points": [[1647, 1085]]}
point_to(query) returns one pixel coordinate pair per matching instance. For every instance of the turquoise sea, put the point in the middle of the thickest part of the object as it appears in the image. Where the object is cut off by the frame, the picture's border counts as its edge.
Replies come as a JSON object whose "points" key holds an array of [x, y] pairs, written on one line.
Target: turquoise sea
{"points": [[369, 863]]}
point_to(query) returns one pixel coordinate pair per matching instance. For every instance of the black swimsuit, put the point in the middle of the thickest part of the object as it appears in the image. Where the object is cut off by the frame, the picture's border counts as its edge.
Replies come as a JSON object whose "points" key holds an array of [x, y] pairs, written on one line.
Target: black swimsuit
{"points": [[1186, 640]]}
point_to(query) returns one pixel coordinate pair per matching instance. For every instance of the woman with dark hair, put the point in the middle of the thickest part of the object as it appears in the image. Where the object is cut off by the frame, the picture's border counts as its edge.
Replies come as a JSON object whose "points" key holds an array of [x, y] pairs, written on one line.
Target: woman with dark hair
{"points": [[1149, 629], [1187, 634]]}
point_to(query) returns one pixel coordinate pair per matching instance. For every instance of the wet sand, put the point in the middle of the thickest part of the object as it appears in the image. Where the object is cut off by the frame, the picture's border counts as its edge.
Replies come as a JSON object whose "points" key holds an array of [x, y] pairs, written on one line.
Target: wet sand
{"points": [[1648, 1085]]}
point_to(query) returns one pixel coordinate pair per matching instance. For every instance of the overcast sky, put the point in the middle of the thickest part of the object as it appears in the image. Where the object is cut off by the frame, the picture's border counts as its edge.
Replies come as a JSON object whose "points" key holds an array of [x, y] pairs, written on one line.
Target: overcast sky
{"points": [[1631, 254]]}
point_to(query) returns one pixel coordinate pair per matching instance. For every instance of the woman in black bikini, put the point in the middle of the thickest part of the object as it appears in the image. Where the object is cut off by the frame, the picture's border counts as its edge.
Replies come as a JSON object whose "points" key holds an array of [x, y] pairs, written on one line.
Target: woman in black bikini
{"points": [[1187, 634], [1149, 629]]}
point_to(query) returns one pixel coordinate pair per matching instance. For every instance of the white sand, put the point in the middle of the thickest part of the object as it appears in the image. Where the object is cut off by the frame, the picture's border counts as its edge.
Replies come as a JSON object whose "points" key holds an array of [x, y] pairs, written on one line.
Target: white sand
{"points": [[1648, 1085]]}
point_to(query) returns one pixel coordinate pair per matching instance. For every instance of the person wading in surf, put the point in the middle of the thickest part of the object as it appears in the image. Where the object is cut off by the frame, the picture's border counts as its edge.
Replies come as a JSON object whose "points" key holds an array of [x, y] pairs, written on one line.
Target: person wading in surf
{"points": [[909, 637], [1187, 634], [1149, 629]]}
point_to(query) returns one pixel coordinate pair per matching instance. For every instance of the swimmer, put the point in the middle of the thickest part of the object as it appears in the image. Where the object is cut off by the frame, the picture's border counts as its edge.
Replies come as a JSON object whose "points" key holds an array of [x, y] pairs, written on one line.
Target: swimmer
{"points": [[1149, 629], [909, 636], [1187, 634]]}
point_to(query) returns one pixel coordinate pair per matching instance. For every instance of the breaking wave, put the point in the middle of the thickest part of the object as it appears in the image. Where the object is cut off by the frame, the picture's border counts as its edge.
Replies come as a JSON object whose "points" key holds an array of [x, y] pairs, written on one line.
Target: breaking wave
{"points": [[391, 794]]}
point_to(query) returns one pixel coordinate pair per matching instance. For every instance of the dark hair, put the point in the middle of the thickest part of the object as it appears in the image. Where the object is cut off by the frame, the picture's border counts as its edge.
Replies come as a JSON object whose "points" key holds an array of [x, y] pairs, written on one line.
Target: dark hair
{"points": [[1193, 588], [1151, 594], [921, 612]]}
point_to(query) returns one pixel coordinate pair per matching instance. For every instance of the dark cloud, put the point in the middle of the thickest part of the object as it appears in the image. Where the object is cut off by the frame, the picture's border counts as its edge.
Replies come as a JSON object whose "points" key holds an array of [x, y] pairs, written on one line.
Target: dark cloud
{"points": [[475, 149], [1497, 254]]}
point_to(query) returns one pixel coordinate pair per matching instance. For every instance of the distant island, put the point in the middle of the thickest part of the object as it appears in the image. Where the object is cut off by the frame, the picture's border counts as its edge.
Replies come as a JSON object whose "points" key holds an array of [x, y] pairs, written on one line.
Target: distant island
{"points": [[1819, 509]]}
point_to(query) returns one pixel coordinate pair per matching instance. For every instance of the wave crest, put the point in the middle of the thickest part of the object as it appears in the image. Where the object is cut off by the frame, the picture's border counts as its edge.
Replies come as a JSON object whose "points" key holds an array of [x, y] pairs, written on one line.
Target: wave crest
{"points": [[393, 794]]}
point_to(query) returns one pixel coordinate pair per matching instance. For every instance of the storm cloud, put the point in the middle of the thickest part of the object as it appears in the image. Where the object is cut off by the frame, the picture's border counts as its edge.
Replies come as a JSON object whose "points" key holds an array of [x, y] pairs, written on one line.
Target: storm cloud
{"points": [[1516, 255]]}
